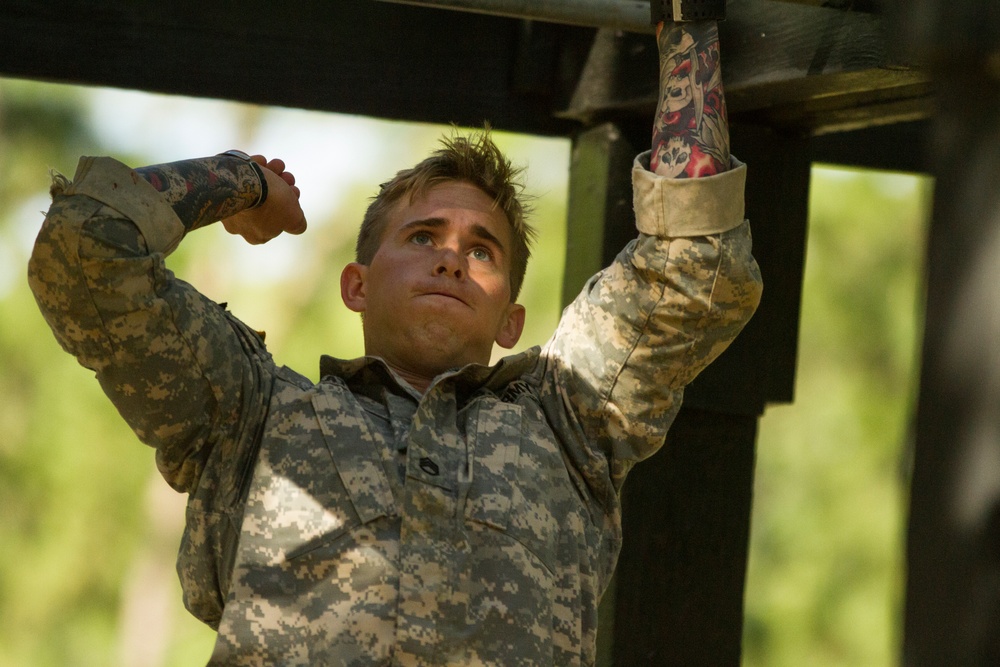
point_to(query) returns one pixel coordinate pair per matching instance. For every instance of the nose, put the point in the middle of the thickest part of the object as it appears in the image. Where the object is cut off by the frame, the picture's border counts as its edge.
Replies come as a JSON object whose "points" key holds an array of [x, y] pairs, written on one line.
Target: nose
{"points": [[450, 262]]}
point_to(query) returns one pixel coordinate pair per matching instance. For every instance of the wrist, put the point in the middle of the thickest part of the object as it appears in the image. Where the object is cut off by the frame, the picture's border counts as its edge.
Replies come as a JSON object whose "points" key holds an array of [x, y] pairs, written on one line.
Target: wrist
{"points": [[258, 170], [203, 190]]}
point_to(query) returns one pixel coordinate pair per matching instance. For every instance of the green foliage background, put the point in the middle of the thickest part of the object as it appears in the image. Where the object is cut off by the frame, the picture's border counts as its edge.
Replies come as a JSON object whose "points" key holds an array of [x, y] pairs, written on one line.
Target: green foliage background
{"points": [[88, 532], [826, 564]]}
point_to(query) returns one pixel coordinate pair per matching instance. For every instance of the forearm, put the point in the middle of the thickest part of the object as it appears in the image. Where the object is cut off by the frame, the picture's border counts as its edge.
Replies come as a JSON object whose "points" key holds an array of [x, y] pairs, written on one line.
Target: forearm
{"points": [[691, 129], [204, 190]]}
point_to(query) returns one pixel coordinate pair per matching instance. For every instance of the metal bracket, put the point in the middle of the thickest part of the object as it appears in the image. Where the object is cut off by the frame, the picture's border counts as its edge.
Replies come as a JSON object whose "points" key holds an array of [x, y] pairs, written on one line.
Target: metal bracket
{"points": [[683, 11]]}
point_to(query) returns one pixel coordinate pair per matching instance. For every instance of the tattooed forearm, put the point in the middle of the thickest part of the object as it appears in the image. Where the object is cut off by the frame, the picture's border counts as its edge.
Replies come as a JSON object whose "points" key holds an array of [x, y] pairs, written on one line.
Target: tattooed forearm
{"points": [[691, 130], [205, 190]]}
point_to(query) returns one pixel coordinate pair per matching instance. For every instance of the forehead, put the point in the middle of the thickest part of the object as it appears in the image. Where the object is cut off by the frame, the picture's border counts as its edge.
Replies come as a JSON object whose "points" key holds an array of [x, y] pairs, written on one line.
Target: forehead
{"points": [[450, 199]]}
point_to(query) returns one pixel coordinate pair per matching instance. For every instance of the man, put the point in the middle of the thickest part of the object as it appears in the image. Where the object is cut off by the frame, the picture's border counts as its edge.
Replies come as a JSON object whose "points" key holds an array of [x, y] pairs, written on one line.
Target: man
{"points": [[416, 506]]}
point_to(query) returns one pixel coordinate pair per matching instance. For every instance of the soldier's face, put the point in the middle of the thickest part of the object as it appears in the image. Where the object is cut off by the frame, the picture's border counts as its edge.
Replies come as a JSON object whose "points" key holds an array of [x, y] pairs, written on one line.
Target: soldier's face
{"points": [[437, 293]]}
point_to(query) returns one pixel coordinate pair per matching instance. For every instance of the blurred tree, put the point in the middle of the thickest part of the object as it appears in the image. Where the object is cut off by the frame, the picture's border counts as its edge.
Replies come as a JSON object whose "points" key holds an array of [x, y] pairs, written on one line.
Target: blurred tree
{"points": [[824, 581], [56, 569]]}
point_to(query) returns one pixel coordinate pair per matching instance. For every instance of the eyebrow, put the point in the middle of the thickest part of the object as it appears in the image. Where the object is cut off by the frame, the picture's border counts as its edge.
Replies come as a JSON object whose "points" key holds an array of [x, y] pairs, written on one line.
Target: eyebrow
{"points": [[478, 230]]}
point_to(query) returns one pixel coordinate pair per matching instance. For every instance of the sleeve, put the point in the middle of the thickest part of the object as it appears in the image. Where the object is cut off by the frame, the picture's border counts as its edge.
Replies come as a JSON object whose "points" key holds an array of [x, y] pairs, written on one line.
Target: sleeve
{"points": [[190, 380], [614, 372]]}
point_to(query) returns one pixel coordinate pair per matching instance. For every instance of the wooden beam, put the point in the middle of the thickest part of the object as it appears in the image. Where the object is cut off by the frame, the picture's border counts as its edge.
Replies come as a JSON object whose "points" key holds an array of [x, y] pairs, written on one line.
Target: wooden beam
{"points": [[873, 6], [789, 65], [953, 545], [349, 56], [759, 367], [681, 574], [953, 542], [678, 592], [680, 579], [804, 69], [599, 221], [899, 147], [839, 102], [631, 15]]}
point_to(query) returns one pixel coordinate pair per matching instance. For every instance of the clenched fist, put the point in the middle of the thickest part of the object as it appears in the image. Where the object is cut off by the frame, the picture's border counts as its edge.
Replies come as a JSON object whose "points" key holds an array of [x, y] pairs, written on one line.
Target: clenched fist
{"points": [[279, 213]]}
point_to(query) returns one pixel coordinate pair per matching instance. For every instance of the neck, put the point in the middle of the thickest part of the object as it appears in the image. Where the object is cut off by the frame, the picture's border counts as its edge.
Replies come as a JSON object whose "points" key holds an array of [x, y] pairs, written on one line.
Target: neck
{"points": [[415, 380]]}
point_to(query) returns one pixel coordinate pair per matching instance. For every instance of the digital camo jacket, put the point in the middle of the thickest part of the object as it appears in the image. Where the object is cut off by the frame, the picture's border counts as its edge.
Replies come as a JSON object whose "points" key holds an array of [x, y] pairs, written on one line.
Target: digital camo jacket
{"points": [[354, 521]]}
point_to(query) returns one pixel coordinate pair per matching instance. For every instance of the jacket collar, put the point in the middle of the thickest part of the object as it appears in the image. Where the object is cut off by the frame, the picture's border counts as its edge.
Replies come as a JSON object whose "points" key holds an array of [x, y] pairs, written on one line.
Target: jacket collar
{"points": [[365, 370]]}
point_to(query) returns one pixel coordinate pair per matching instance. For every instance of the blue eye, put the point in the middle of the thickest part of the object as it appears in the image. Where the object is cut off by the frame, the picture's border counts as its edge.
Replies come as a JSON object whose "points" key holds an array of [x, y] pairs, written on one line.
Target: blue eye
{"points": [[482, 254], [421, 238]]}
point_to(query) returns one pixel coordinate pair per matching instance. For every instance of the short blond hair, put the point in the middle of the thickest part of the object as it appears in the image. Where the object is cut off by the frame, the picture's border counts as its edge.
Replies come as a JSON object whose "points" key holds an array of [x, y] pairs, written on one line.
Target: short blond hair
{"points": [[474, 159]]}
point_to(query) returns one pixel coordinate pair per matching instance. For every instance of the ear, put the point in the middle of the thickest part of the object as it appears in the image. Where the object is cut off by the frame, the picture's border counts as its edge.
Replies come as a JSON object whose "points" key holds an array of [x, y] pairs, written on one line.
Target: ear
{"points": [[513, 325], [353, 287]]}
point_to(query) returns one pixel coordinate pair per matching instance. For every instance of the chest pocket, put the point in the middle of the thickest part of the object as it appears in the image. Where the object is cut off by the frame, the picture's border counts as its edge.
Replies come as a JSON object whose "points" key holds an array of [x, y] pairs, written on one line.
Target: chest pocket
{"points": [[495, 446], [355, 455], [319, 476], [510, 489], [313, 529]]}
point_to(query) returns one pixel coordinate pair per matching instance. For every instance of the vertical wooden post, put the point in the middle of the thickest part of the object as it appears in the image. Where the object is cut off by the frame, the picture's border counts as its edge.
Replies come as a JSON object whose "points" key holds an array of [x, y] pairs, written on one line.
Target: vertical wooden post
{"points": [[679, 588], [600, 222], [677, 598], [953, 543], [682, 570]]}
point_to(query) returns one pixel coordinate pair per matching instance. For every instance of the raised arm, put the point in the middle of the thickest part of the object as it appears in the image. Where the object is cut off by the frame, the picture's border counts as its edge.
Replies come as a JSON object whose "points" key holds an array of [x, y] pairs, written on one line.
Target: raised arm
{"points": [[184, 374], [674, 299]]}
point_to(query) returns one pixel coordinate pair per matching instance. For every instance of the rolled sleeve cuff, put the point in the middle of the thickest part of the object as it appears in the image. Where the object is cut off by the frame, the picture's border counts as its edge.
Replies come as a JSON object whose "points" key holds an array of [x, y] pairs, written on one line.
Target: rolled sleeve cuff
{"points": [[670, 207], [116, 185]]}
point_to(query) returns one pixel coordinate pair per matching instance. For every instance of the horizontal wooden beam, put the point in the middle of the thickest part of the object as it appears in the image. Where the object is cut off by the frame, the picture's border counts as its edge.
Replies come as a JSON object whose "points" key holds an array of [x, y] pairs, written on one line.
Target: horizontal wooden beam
{"points": [[350, 56], [873, 6], [903, 147], [786, 64], [811, 70], [632, 15]]}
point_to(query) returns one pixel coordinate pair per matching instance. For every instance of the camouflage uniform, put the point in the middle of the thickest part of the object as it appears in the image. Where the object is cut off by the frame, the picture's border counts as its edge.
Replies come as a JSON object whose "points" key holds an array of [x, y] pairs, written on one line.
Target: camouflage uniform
{"points": [[355, 521]]}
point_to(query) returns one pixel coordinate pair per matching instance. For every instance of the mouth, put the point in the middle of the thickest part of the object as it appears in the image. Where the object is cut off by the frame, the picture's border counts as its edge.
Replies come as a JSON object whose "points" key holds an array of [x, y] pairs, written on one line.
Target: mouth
{"points": [[446, 295]]}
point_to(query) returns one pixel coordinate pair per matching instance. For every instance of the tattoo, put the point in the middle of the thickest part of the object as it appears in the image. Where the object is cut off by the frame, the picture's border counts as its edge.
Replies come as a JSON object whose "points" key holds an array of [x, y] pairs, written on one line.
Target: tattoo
{"points": [[691, 129], [205, 190]]}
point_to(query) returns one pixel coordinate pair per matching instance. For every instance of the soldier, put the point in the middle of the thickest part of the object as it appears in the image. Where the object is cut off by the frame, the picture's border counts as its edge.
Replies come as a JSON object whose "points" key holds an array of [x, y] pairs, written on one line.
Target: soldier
{"points": [[416, 506]]}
